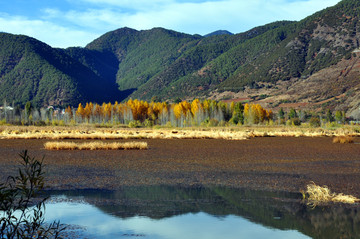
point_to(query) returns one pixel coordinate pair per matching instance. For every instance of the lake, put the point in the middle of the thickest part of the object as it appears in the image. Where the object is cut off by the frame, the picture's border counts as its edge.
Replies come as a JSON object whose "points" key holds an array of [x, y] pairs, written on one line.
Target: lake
{"points": [[179, 212], [205, 193]]}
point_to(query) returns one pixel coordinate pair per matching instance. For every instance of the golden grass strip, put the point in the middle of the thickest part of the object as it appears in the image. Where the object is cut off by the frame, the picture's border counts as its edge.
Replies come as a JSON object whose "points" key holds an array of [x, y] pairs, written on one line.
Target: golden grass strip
{"points": [[343, 140], [59, 145], [228, 133], [317, 195]]}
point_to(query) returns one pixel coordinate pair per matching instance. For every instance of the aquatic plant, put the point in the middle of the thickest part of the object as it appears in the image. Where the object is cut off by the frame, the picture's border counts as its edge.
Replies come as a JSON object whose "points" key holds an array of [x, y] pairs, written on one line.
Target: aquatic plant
{"points": [[343, 139], [95, 145], [316, 195]]}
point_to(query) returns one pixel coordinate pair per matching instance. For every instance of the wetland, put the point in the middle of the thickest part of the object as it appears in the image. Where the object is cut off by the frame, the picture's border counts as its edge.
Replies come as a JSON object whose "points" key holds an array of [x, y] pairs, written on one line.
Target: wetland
{"points": [[256, 181]]}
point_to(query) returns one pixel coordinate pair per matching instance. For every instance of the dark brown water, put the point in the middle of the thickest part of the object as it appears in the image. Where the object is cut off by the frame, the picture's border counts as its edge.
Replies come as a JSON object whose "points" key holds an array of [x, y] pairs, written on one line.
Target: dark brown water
{"points": [[285, 164], [188, 184]]}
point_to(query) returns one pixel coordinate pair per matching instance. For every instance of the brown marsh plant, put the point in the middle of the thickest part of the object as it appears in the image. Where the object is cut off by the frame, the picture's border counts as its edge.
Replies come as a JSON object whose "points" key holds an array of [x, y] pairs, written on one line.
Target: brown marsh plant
{"points": [[97, 145], [343, 139], [316, 195]]}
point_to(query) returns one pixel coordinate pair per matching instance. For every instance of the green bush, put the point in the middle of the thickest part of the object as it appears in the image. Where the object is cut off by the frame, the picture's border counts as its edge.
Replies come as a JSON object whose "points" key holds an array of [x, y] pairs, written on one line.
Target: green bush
{"points": [[135, 124], [22, 216], [315, 122], [296, 121]]}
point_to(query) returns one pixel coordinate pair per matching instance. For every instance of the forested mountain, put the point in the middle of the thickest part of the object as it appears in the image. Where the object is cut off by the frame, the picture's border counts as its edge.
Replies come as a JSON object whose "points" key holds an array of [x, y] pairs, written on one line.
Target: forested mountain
{"points": [[219, 32], [282, 61], [33, 71]]}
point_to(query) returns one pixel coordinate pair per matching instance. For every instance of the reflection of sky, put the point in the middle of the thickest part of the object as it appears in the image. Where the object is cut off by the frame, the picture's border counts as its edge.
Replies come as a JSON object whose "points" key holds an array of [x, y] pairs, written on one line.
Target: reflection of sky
{"points": [[188, 226]]}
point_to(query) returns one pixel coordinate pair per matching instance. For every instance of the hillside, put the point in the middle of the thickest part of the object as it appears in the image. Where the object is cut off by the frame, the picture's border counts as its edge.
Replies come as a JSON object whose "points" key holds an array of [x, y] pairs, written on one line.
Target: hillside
{"points": [[33, 71], [312, 63]]}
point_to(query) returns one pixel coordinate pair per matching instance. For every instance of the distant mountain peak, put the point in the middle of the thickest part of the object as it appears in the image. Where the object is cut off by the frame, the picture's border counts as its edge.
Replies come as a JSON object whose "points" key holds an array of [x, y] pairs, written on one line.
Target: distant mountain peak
{"points": [[218, 32]]}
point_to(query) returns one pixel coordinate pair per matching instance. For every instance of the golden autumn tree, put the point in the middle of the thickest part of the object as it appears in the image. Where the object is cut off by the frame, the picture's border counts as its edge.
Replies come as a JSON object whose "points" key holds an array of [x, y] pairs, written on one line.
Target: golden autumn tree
{"points": [[195, 107], [68, 111], [88, 110], [177, 111], [80, 111]]}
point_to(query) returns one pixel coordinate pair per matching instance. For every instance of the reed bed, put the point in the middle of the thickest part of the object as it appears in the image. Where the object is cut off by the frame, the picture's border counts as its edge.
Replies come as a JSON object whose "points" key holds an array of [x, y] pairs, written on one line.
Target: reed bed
{"points": [[316, 195], [235, 133], [95, 146], [343, 140]]}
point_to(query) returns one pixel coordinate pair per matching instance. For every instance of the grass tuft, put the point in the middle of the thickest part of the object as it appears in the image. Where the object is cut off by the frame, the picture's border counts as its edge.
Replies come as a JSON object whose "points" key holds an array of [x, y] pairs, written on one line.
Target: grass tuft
{"points": [[94, 145], [343, 140], [316, 195]]}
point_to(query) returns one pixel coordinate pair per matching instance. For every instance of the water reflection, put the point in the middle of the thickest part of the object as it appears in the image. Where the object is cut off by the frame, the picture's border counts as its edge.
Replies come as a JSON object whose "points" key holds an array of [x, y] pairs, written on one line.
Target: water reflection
{"points": [[169, 212]]}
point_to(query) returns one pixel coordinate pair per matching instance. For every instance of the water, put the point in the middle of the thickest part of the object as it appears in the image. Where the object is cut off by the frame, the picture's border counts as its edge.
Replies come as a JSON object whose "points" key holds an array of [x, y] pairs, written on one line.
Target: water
{"points": [[171, 213], [199, 225]]}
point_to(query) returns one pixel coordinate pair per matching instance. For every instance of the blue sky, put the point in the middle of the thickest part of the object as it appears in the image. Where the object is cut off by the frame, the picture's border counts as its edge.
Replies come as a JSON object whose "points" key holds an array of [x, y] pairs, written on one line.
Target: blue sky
{"points": [[65, 23]]}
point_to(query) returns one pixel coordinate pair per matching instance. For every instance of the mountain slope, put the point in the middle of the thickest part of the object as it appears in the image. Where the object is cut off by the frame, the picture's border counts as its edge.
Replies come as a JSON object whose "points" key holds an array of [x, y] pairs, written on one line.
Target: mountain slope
{"points": [[296, 50], [219, 32], [33, 71], [270, 60]]}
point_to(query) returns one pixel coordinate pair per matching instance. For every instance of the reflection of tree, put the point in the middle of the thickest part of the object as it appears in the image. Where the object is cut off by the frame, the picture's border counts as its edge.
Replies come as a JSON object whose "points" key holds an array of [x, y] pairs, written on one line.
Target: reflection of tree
{"points": [[334, 222], [277, 210]]}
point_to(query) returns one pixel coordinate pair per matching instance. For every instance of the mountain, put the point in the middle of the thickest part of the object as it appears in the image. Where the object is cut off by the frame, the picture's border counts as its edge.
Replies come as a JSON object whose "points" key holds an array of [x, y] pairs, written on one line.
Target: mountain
{"points": [[313, 63], [33, 71], [219, 32]]}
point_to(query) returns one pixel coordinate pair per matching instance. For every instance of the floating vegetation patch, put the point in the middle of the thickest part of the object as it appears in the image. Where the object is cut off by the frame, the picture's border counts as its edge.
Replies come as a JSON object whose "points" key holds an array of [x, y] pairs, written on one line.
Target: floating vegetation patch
{"points": [[343, 140], [59, 145], [316, 195]]}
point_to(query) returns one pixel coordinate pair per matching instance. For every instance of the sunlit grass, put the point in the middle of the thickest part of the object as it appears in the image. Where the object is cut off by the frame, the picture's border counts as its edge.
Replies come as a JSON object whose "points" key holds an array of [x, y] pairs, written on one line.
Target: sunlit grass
{"points": [[316, 195], [95, 145], [343, 139], [227, 133]]}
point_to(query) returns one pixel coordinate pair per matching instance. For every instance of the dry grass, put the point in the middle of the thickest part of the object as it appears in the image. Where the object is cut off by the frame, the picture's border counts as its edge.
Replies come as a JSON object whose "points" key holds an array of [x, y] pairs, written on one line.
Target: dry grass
{"points": [[228, 133], [317, 195], [95, 145], [343, 139]]}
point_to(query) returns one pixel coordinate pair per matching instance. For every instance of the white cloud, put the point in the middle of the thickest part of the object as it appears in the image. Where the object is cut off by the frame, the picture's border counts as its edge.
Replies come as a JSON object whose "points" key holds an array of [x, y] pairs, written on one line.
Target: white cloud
{"points": [[132, 4], [48, 32], [233, 15], [79, 27]]}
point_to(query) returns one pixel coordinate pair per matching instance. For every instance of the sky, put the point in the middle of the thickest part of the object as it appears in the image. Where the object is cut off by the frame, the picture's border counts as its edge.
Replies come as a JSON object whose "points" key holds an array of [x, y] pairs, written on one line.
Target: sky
{"points": [[66, 23]]}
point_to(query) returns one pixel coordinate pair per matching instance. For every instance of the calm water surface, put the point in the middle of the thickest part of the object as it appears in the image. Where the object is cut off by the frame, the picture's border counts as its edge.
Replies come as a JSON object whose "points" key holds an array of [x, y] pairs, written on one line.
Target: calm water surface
{"points": [[169, 212]]}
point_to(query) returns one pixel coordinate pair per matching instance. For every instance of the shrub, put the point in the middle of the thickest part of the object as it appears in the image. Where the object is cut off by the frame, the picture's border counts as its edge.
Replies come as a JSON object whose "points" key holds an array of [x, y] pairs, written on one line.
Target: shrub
{"points": [[315, 122], [22, 216], [148, 123], [213, 123], [295, 122], [134, 124]]}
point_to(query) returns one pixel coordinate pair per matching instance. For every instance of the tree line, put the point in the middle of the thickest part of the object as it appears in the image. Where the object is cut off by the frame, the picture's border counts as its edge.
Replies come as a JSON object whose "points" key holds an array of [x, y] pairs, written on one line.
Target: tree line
{"points": [[182, 113]]}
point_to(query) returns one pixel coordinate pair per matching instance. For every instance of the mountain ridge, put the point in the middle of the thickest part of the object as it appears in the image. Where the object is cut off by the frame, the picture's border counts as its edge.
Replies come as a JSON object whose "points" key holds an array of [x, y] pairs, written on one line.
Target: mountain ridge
{"points": [[168, 64]]}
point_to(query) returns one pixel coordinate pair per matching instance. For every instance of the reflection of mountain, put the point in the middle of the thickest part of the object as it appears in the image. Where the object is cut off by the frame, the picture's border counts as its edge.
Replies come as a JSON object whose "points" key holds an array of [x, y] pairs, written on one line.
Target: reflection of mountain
{"points": [[277, 210]]}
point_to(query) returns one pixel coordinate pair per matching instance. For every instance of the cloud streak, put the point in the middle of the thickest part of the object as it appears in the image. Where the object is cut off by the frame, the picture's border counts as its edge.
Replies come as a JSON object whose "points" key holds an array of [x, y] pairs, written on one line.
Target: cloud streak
{"points": [[48, 32], [74, 26]]}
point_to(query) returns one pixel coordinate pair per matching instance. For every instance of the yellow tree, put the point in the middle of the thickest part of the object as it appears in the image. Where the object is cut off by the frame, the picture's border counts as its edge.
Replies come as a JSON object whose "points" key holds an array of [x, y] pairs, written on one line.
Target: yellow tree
{"points": [[68, 111], [106, 109], [88, 110], [177, 111], [80, 111], [195, 106], [260, 113], [185, 107], [246, 111]]}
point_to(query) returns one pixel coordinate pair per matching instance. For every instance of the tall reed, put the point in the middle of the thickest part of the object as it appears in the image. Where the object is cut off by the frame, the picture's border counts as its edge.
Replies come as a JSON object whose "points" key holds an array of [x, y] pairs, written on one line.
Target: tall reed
{"points": [[97, 145]]}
